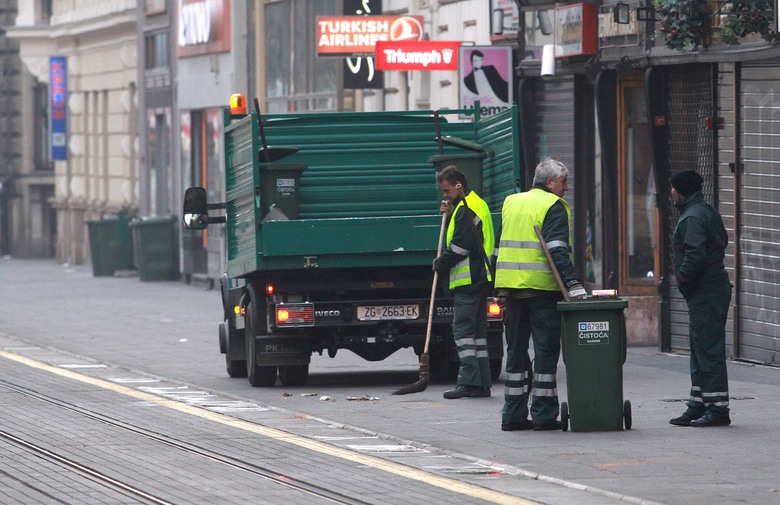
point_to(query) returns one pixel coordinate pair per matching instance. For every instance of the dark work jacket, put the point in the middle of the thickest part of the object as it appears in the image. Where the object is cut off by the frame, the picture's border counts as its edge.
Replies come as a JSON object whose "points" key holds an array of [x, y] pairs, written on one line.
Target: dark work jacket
{"points": [[699, 246]]}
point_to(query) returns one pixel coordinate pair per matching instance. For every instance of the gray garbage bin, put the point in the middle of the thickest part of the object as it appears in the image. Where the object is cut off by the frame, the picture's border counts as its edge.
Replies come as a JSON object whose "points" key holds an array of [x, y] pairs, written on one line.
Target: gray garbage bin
{"points": [[109, 244], [156, 242]]}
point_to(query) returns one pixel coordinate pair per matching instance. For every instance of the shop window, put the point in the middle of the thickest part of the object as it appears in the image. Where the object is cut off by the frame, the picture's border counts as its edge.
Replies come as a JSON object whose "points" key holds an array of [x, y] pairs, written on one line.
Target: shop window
{"points": [[157, 50], [296, 79], [637, 228]]}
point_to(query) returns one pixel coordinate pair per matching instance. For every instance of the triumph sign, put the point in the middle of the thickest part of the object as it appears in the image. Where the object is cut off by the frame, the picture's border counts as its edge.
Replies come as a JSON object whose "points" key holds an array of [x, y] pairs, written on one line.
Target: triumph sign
{"points": [[422, 55], [358, 35]]}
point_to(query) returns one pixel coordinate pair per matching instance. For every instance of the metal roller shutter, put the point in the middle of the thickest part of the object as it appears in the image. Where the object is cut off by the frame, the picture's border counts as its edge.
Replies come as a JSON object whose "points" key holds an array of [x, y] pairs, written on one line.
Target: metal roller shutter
{"points": [[759, 216]]}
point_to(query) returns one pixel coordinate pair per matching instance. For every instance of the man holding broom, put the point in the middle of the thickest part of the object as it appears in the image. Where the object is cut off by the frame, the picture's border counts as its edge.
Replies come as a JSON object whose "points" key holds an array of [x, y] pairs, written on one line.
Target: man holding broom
{"points": [[470, 243]]}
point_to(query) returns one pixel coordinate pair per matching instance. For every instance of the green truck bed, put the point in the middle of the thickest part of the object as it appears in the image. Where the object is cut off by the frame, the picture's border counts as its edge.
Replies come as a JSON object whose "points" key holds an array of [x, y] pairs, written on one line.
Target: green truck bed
{"points": [[359, 192]]}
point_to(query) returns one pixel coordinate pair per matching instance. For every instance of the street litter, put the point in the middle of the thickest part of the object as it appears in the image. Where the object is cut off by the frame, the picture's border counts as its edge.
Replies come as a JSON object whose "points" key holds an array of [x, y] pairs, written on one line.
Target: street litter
{"points": [[362, 398], [308, 394], [325, 399]]}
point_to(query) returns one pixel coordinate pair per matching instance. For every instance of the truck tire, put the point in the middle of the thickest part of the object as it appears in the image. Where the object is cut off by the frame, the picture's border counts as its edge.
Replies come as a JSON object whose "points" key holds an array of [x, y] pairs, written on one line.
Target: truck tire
{"points": [[293, 375], [235, 367], [259, 376]]}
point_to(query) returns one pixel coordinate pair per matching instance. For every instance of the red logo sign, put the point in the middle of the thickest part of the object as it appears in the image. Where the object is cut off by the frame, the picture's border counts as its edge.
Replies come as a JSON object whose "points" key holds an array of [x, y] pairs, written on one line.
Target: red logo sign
{"points": [[358, 35], [418, 55]]}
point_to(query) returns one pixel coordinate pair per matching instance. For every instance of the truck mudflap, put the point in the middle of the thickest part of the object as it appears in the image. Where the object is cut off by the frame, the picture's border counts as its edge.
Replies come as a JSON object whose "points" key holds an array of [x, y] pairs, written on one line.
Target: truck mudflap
{"points": [[286, 350]]}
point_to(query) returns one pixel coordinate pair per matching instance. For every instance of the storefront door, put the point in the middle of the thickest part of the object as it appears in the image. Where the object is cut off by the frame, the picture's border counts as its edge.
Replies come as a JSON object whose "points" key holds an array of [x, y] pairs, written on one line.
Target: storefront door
{"points": [[636, 191]]}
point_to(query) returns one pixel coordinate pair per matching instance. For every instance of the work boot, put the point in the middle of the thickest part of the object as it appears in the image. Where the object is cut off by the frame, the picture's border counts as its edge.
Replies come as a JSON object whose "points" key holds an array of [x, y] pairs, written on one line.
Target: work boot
{"points": [[522, 425], [548, 426], [466, 391], [686, 418], [711, 418]]}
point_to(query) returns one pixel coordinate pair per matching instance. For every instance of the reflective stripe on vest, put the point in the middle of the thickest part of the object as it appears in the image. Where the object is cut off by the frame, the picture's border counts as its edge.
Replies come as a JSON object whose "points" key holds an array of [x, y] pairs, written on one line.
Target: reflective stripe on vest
{"points": [[460, 274], [521, 261]]}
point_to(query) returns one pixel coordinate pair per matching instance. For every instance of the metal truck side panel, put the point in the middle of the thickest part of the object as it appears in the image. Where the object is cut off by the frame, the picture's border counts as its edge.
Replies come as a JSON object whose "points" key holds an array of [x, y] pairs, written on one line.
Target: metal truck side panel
{"points": [[241, 146]]}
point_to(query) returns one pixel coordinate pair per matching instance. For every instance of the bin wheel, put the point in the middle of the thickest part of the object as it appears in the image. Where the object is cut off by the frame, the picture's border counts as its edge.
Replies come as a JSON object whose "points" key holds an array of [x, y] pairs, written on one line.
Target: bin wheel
{"points": [[564, 416], [627, 414]]}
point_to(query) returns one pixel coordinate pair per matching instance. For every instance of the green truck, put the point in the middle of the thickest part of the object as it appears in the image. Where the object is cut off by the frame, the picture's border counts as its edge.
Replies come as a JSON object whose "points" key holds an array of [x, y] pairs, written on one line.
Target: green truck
{"points": [[332, 224]]}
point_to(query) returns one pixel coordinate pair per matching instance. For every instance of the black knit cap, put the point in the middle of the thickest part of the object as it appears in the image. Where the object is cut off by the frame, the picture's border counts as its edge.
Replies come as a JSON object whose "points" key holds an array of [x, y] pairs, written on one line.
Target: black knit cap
{"points": [[687, 182]]}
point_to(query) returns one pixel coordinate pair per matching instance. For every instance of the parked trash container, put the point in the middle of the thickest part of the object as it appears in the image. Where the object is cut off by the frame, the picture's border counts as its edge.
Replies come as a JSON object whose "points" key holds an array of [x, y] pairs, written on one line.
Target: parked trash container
{"points": [[280, 187], [470, 163], [156, 245], [594, 350], [110, 245]]}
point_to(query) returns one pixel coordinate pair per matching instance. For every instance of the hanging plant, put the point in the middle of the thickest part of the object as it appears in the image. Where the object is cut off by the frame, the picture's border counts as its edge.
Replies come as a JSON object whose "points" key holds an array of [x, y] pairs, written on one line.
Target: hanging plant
{"points": [[681, 30], [746, 18]]}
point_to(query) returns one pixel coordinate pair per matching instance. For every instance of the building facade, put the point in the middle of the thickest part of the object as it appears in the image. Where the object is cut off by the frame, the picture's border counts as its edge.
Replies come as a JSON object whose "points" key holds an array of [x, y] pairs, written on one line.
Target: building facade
{"points": [[95, 169]]}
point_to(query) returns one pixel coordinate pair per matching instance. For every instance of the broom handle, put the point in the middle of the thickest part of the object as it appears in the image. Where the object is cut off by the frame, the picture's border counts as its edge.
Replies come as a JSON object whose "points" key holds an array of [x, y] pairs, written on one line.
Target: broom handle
{"points": [[433, 287], [564, 291]]}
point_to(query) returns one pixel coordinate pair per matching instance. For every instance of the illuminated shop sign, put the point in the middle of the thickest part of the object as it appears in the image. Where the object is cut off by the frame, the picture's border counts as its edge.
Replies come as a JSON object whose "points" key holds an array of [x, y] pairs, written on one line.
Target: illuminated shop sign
{"points": [[418, 55], [358, 35], [204, 27]]}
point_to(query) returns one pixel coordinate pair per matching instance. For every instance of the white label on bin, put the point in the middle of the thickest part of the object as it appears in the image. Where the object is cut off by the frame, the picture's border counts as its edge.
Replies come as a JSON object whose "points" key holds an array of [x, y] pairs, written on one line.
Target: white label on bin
{"points": [[593, 332], [285, 187]]}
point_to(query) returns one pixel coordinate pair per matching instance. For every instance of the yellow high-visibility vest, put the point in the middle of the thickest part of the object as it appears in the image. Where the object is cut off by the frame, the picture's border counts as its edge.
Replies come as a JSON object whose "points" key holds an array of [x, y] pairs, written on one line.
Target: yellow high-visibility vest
{"points": [[521, 261], [460, 274]]}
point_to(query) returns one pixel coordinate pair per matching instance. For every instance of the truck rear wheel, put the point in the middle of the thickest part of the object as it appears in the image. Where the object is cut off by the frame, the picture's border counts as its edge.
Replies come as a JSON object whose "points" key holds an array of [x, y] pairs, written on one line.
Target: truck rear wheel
{"points": [[293, 375], [235, 368], [259, 376]]}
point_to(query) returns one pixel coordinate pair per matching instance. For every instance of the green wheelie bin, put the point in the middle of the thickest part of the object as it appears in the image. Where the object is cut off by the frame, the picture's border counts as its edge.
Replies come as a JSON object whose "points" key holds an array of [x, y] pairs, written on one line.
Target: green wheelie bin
{"points": [[594, 350]]}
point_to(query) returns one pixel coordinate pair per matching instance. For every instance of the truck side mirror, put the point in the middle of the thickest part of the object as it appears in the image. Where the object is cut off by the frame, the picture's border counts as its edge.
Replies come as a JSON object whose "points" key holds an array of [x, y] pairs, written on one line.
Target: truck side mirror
{"points": [[195, 209]]}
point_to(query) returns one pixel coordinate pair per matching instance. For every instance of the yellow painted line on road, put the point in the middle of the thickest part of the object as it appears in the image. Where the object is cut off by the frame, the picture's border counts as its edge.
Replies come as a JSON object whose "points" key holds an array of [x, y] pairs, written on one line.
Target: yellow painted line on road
{"points": [[398, 469]]}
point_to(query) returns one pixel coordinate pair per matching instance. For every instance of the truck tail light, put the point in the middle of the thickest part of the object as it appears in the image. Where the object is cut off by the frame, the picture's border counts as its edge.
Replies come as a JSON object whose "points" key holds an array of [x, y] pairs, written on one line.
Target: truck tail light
{"points": [[494, 309], [269, 289], [295, 315]]}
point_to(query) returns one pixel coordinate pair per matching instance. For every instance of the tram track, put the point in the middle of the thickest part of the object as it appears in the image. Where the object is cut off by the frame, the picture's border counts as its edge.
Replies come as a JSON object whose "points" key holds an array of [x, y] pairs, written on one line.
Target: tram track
{"points": [[128, 489]]}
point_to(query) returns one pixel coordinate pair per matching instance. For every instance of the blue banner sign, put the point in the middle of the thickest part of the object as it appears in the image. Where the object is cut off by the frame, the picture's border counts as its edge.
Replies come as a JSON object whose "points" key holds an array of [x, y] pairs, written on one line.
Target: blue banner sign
{"points": [[58, 105]]}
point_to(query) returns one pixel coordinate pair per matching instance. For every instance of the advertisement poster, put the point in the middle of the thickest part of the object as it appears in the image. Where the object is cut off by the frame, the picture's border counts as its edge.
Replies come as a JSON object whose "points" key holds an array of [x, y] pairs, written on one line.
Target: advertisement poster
{"points": [[486, 77], [58, 105]]}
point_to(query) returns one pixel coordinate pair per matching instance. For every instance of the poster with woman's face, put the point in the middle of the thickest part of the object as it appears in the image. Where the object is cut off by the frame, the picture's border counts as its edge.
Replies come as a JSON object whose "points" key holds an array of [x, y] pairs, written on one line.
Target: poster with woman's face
{"points": [[485, 77]]}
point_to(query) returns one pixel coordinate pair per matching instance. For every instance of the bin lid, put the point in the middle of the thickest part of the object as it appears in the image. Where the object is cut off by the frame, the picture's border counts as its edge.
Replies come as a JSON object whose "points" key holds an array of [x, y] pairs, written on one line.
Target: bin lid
{"points": [[275, 153], [593, 304], [436, 158], [464, 144]]}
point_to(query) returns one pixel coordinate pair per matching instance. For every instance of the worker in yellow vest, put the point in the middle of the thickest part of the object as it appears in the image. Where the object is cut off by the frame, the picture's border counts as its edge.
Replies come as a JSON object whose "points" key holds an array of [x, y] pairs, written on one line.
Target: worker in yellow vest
{"points": [[470, 242], [530, 292]]}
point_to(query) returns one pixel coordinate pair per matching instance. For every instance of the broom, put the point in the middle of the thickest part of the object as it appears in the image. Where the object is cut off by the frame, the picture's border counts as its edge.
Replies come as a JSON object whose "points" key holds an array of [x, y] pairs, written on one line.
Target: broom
{"points": [[425, 367]]}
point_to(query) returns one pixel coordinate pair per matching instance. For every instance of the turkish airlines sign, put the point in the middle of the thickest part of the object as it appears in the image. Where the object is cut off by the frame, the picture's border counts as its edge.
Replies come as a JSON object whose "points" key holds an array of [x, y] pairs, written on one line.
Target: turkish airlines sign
{"points": [[358, 35], [418, 55]]}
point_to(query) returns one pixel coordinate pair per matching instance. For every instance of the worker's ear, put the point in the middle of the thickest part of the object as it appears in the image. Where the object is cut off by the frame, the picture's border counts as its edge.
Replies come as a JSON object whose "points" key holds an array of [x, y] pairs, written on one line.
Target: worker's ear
{"points": [[458, 186]]}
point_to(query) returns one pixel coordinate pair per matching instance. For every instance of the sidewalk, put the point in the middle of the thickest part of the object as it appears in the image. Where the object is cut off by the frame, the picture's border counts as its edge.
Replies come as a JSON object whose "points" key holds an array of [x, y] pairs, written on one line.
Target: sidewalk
{"points": [[653, 462]]}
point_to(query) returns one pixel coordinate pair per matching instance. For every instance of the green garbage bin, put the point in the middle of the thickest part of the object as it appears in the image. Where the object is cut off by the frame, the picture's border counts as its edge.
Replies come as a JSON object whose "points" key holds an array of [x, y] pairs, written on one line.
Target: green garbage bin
{"points": [[470, 163], [594, 350], [280, 187], [109, 244], [156, 245]]}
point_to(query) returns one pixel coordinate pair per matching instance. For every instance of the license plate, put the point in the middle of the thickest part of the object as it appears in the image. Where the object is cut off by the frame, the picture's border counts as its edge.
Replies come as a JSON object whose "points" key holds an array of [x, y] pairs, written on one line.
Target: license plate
{"points": [[388, 312]]}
